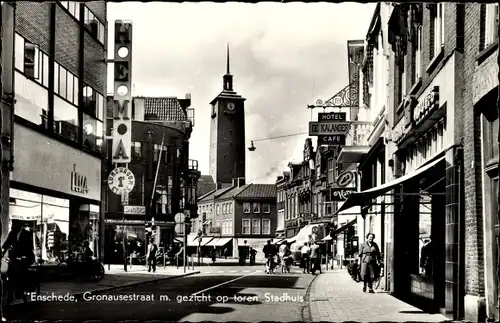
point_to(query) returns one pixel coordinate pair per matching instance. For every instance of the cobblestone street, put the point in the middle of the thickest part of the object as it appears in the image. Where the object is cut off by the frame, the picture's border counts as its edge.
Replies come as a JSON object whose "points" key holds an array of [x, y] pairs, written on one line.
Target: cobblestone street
{"points": [[335, 297]]}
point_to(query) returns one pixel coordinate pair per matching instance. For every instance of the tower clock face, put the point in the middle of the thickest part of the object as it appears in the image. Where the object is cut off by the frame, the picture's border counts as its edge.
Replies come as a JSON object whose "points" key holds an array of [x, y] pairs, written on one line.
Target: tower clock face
{"points": [[231, 106]]}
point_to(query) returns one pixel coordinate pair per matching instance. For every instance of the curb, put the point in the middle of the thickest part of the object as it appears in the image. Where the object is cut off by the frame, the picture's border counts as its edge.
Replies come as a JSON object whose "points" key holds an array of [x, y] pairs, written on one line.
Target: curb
{"points": [[306, 310], [107, 289]]}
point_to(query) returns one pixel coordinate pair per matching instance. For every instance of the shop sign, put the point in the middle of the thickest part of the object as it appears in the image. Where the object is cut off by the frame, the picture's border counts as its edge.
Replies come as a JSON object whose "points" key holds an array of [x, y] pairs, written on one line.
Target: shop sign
{"points": [[78, 182], [121, 181], [332, 116], [122, 123], [341, 194], [346, 179], [134, 209], [329, 128], [426, 106], [332, 140]]}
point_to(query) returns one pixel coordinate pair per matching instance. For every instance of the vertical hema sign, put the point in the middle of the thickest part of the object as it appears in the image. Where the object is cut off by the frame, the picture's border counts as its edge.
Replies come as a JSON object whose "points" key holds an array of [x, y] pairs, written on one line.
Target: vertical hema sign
{"points": [[122, 103]]}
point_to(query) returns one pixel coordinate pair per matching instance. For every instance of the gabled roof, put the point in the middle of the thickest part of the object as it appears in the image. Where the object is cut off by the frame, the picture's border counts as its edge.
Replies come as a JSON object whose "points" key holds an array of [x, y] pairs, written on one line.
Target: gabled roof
{"points": [[163, 109], [234, 192], [258, 191], [214, 194]]}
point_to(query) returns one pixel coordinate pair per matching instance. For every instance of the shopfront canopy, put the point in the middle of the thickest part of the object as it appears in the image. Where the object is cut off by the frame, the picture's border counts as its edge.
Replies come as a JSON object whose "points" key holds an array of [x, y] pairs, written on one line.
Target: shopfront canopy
{"points": [[193, 241], [218, 242], [344, 227], [359, 198], [303, 235]]}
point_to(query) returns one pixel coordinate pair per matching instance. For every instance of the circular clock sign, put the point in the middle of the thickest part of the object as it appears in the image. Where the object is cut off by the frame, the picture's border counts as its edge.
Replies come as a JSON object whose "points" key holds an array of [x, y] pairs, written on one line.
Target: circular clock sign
{"points": [[121, 180], [231, 106]]}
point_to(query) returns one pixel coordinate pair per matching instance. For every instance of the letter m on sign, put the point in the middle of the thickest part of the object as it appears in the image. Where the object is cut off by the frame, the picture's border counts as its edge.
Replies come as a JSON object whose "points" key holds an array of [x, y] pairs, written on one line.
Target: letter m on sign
{"points": [[120, 109]]}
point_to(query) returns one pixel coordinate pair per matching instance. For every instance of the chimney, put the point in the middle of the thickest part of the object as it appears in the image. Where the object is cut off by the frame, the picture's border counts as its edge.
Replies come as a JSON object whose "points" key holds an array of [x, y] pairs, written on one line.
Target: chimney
{"points": [[218, 186], [188, 96], [241, 181], [235, 182]]}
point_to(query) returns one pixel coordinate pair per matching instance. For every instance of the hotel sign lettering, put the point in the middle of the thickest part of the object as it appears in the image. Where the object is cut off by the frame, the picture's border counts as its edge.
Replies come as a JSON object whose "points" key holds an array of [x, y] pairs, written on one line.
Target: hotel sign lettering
{"points": [[329, 128], [426, 106], [78, 182], [332, 116], [122, 124]]}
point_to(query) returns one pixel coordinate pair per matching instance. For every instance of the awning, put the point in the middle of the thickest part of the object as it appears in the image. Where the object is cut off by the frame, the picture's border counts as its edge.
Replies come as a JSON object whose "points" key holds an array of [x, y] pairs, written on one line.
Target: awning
{"points": [[195, 243], [355, 210], [352, 154], [177, 240], [253, 242], [358, 199], [304, 233], [218, 242], [344, 227]]}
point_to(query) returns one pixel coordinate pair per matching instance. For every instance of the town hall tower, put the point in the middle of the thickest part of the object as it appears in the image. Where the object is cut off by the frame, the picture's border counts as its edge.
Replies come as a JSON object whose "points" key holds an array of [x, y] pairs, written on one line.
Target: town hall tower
{"points": [[227, 132]]}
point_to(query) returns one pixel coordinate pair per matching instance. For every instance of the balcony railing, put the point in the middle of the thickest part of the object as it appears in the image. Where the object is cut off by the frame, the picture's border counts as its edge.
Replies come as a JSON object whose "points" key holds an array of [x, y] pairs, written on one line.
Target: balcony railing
{"points": [[359, 133]]}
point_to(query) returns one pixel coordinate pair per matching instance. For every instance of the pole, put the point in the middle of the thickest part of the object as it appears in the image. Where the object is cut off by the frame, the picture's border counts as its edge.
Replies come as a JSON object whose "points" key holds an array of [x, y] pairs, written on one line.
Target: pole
{"points": [[184, 259], [497, 227], [124, 244]]}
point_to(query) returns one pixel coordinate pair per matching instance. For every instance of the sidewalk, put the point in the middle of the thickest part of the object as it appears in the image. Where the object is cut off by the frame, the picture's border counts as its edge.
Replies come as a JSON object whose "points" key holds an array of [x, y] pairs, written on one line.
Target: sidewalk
{"points": [[114, 278], [335, 297]]}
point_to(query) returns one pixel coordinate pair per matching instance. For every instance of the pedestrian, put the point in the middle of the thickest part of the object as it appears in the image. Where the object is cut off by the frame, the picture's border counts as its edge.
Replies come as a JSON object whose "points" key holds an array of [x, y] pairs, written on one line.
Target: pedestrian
{"points": [[253, 254], [19, 244], [304, 257], [151, 255], [315, 258], [369, 254], [225, 253]]}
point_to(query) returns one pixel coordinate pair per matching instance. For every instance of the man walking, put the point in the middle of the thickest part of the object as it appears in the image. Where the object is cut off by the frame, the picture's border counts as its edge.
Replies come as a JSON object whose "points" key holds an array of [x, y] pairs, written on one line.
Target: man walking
{"points": [[315, 258], [151, 256], [304, 257]]}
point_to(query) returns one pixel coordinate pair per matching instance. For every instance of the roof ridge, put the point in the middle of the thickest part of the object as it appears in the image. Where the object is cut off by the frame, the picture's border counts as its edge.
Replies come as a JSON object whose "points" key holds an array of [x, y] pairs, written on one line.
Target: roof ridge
{"points": [[243, 190], [206, 194], [226, 189]]}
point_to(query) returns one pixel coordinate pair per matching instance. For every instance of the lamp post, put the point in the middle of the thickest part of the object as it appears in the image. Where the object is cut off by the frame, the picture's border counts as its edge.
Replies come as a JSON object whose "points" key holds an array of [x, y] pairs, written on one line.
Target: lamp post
{"points": [[497, 227]]}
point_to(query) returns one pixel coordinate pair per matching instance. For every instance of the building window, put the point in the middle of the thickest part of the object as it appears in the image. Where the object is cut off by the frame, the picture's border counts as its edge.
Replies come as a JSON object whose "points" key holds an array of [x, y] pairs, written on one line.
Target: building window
{"points": [[231, 208], [31, 61], [246, 207], [488, 25], [266, 208], [136, 149], [65, 119], [256, 226], [426, 253], [245, 226], [437, 29], [331, 170], [256, 207], [266, 226], [92, 133], [217, 209], [93, 102], [94, 26], [416, 55], [328, 209], [73, 8]]}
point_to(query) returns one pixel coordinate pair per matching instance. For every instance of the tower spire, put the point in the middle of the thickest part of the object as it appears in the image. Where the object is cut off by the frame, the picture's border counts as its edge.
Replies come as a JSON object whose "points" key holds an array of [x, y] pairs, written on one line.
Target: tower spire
{"points": [[227, 60]]}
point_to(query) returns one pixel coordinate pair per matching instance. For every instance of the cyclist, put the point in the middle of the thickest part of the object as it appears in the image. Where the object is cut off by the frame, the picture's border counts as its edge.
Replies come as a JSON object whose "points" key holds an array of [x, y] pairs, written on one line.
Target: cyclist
{"points": [[270, 252], [19, 244]]}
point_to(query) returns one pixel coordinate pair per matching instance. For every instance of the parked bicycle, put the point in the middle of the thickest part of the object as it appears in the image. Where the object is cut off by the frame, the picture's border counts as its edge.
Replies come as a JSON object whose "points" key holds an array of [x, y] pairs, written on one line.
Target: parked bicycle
{"points": [[27, 286], [77, 266]]}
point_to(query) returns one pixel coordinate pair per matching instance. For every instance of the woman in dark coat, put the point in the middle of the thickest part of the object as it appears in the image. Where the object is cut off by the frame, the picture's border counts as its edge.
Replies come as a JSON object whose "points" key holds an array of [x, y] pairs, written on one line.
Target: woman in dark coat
{"points": [[369, 254]]}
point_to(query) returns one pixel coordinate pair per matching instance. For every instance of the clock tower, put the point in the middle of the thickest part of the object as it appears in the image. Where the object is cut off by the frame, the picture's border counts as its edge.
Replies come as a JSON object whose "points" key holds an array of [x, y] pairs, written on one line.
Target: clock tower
{"points": [[227, 132]]}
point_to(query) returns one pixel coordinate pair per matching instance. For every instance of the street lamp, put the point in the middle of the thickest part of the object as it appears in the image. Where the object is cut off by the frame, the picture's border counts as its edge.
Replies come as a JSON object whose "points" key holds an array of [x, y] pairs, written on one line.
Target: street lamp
{"points": [[497, 226]]}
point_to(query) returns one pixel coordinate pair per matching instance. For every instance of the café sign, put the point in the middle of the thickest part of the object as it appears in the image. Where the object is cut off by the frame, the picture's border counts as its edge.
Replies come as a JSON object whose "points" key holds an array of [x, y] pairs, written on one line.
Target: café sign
{"points": [[425, 107], [332, 140]]}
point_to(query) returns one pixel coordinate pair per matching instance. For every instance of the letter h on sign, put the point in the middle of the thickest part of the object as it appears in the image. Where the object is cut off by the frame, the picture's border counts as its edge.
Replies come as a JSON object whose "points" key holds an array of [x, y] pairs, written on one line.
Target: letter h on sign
{"points": [[122, 125]]}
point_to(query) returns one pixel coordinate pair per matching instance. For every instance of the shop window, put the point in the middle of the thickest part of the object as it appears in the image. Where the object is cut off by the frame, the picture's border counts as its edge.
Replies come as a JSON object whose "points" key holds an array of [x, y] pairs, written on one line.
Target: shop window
{"points": [[266, 208], [92, 133], [256, 207], [246, 207], [266, 226], [245, 226], [94, 26], [256, 226], [426, 245], [488, 25], [50, 223]]}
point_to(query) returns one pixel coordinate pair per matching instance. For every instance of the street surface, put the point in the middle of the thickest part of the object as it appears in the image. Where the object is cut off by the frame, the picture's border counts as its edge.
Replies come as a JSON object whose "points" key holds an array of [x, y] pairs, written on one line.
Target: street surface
{"points": [[238, 294]]}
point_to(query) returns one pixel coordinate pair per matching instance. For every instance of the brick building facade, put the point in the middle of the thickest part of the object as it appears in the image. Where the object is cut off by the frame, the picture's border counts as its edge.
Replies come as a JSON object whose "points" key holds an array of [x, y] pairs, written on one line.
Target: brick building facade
{"points": [[60, 79]]}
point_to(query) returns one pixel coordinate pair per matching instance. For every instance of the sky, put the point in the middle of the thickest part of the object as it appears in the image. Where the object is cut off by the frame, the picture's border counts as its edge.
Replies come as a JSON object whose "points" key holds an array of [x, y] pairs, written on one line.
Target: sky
{"points": [[283, 57]]}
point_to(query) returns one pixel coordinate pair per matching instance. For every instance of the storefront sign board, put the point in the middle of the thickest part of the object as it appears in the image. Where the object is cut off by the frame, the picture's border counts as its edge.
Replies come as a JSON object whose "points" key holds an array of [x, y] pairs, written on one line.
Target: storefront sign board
{"points": [[332, 140], [426, 106], [332, 116], [121, 181], [329, 128], [341, 194], [78, 182], [122, 123], [134, 209]]}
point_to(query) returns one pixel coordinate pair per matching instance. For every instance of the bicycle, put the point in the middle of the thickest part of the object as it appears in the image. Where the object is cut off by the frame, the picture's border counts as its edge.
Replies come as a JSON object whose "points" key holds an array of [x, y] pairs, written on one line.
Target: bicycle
{"points": [[31, 284]]}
